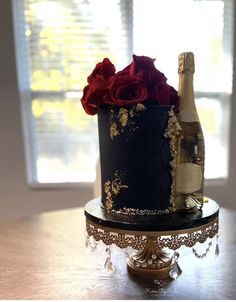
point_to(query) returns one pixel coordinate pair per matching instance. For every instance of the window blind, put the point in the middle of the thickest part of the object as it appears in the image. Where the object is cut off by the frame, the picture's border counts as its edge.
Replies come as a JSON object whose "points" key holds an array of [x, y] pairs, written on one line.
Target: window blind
{"points": [[59, 43]]}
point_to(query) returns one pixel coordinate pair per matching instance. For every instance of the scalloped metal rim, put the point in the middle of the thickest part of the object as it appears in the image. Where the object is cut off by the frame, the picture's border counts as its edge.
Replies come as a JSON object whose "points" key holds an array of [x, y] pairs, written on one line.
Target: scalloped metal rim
{"points": [[166, 239]]}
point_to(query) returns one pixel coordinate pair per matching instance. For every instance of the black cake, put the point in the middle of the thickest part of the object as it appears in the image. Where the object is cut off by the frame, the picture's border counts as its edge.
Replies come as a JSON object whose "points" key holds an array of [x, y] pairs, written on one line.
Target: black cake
{"points": [[138, 136], [135, 158]]}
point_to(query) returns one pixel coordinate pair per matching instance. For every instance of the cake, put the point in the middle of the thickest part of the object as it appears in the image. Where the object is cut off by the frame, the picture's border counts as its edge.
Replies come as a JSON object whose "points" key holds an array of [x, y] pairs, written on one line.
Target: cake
{"points": [[138, 136]]}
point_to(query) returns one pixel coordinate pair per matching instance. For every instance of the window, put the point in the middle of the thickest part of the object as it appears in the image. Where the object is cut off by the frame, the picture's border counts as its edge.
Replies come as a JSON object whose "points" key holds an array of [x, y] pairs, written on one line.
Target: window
{"points": [[58, 44]]}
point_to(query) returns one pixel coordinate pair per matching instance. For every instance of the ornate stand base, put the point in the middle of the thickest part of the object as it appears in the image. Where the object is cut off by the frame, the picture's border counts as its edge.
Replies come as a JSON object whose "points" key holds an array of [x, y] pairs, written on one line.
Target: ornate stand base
{"points": [[151, 262], [150, 235]]}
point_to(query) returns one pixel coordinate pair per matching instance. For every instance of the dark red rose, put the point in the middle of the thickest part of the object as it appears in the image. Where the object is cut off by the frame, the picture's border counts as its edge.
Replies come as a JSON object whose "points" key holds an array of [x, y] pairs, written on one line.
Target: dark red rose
{"points": [[94, 94], [144, 67], [155, 80], [164, 95], [140, 81], [126, 90], [105, 68]]}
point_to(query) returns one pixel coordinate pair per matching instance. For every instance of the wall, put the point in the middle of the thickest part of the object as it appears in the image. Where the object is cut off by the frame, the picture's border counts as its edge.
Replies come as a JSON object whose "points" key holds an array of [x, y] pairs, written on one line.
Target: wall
{"points": [[225, 193], [16, 198]]}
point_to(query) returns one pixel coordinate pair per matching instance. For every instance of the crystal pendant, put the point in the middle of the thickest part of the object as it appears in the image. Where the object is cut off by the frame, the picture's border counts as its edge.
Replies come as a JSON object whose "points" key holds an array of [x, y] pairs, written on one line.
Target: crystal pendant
{"points": [[217, 250], [175, 271], [108, 251], [93, 244], [87, 241], [126, 253], [108, 263], [202, 255]]}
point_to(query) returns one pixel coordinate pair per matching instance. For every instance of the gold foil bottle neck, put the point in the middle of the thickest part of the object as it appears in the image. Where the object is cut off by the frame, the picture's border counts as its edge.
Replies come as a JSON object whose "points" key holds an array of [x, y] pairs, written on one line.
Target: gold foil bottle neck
{"points": [[186, 62]]}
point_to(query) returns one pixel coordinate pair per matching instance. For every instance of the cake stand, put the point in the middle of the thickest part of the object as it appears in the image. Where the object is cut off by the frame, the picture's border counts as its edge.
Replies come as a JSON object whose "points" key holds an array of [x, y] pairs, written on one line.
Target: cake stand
{"points": [[151, 235]]}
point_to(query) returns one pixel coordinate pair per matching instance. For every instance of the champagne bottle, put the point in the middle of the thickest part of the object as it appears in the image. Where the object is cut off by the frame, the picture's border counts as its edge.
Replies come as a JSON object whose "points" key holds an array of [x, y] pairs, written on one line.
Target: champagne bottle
{"points": [[191, 150]]}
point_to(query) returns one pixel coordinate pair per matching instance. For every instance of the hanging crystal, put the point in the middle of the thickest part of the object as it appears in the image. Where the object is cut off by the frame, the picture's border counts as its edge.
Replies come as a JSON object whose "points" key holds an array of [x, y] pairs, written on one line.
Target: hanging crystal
{"points": [[200, 256], [175, 271], [87, 241], [108, 263], [128, 251], [93, 244], [217, 250]]}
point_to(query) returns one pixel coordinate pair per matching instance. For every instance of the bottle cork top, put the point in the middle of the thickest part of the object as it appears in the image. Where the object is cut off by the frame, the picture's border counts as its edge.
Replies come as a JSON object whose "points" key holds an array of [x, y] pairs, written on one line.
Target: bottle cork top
{"points": [[186, 62]]}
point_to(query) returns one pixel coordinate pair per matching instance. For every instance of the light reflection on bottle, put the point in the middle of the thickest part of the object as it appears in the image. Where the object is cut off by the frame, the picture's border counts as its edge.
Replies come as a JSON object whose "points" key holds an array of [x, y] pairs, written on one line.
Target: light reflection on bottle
{"points": [[191, 151]]}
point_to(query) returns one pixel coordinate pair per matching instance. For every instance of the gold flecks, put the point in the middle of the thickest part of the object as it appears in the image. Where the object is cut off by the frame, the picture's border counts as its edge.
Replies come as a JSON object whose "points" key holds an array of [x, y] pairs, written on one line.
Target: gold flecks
{"points": [[113, 130], [132, 112], [174, 133], [136, 109], [140, 107], [112, 189], [125, 119], [123, 116], [107, 190], [146, 212]]}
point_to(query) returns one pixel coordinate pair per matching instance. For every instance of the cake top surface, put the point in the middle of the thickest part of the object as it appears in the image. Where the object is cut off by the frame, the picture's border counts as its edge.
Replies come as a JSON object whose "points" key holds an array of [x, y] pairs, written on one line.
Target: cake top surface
{"points": [[139, 82]]}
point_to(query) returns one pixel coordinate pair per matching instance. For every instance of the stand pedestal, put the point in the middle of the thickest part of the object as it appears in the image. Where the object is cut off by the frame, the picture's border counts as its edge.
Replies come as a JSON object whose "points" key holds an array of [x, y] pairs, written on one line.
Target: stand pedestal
{"points": [[150, 235], [151, 262]]}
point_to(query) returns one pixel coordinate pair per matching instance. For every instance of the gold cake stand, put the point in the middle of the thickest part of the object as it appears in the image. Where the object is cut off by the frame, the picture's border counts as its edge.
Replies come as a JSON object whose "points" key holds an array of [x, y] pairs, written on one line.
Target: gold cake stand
{"points": [[151, 235]]}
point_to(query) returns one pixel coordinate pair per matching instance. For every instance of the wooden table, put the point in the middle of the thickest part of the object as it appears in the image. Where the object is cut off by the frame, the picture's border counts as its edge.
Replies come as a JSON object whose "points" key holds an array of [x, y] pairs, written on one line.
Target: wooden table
{"points": [[44, 257]]}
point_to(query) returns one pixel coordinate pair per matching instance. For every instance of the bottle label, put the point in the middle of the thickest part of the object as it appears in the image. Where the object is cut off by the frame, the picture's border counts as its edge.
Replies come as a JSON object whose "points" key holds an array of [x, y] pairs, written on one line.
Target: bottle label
{"points": [[188, 178]]}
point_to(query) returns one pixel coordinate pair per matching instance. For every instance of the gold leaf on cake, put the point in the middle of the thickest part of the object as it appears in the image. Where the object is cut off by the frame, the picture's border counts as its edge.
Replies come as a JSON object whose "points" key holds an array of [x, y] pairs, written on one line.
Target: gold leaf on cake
{"points": [[140, 107], [125, 119], [107, 190], [123, 116], [113, 130], [112, 188]]}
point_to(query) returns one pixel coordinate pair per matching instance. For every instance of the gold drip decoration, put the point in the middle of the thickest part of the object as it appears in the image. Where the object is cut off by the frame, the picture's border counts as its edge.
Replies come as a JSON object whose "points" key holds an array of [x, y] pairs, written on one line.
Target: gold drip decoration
{"points": [[174, 133]]}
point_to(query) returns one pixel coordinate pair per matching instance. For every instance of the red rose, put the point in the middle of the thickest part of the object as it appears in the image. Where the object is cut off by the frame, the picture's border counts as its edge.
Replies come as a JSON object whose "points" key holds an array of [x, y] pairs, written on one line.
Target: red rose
{"points": [[140, 81], [155, 81], [94, 94], [126, 90], [144, 67], [105, 68], [164, 95]]}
